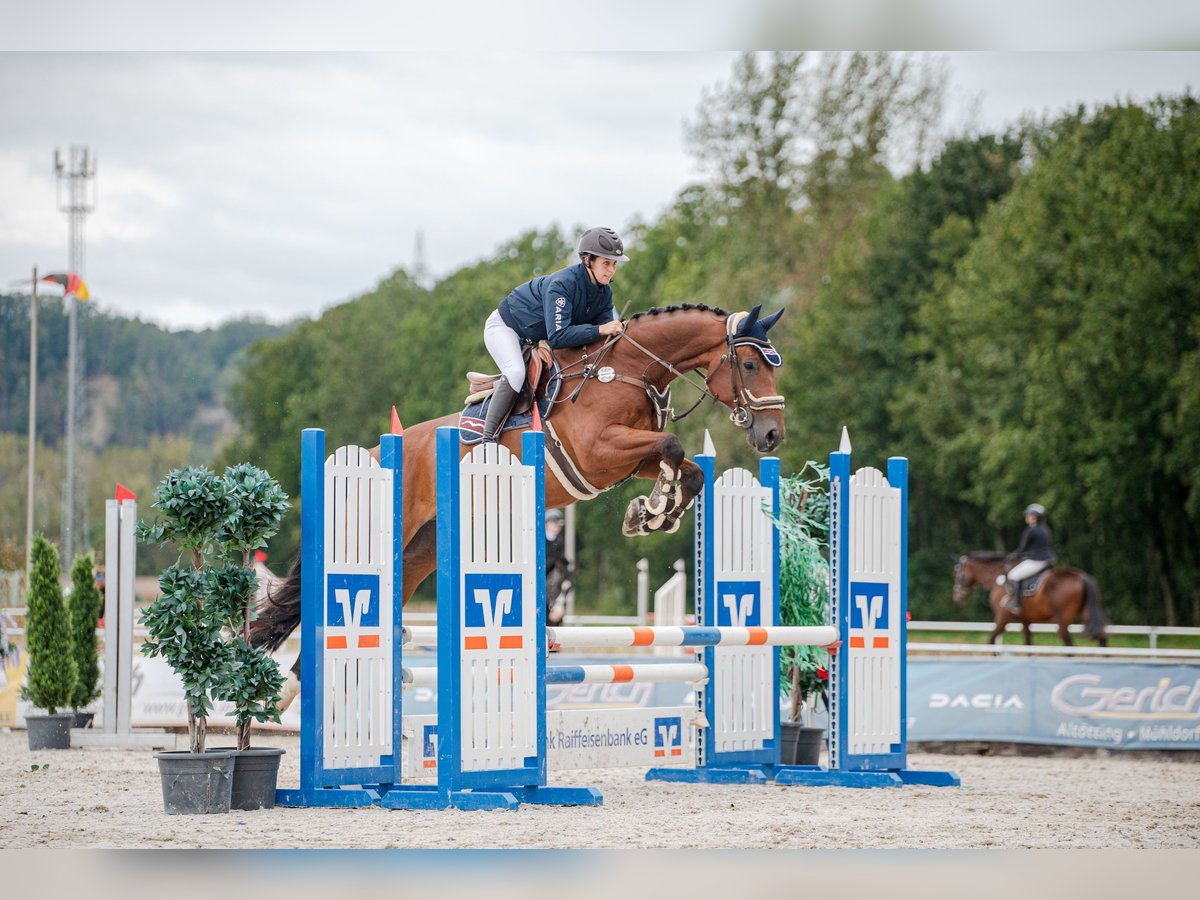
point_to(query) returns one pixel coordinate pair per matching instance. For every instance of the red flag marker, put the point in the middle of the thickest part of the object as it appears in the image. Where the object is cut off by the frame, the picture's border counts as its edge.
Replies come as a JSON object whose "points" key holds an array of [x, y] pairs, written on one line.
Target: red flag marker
{"points": [[397, 428], [537, 417], [124, 493]]}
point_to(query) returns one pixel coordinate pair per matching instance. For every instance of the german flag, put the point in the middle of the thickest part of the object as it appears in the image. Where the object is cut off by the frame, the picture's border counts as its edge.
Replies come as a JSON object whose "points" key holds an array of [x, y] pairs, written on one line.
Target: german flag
{"points": [[70, 282]]}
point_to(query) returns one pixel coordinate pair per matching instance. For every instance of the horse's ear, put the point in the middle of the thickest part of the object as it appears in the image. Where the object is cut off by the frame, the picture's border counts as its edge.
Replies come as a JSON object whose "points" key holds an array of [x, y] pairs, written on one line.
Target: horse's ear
{"points": [[771, 320], [747, 326]]}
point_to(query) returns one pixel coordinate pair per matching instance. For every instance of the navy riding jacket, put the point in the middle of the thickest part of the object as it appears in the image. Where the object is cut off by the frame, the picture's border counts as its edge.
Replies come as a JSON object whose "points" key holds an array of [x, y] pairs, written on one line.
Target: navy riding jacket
{"points": [[564, 308], [1035, 543]]}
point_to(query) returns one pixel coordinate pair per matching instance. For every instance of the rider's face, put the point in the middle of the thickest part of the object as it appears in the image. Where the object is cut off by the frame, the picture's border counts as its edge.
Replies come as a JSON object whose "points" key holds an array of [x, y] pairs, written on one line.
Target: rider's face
{"points": [[603, 269]]}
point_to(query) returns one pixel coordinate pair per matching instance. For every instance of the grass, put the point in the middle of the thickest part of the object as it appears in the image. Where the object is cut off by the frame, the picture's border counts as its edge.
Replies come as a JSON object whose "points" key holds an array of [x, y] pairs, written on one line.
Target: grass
{"points": [[1164, 642]]}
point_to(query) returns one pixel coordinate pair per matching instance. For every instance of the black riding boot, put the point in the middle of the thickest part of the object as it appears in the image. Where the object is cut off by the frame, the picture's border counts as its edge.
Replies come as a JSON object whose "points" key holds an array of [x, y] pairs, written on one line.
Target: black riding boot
{"points": [[1014, 598], [501, 404]]}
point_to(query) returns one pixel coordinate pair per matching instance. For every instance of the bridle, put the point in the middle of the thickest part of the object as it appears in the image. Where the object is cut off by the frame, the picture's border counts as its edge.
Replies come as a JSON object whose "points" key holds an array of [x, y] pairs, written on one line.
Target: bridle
{"points": [[743, 407]]}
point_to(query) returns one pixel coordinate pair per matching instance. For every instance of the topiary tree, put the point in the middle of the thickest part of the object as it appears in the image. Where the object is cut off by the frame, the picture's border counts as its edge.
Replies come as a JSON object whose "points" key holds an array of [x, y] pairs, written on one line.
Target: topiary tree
{"points": [[253, 681], [52, 675], [85, 607], [215, 518], [804, 579], [185, 621]]}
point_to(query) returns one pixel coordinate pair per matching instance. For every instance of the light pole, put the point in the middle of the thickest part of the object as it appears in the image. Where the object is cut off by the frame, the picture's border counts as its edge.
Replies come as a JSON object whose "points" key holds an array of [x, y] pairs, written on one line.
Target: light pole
{"points": [[79, 174], [33, 349]]}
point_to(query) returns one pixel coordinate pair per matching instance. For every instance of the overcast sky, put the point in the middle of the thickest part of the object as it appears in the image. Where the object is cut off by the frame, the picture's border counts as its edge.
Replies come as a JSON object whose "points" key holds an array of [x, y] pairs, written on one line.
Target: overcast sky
{"points": [[281, 184]]}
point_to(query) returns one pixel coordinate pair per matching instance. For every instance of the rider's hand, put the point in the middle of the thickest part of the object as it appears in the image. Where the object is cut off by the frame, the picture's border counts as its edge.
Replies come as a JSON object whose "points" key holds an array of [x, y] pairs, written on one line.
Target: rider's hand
{"points": [[616, 326]]}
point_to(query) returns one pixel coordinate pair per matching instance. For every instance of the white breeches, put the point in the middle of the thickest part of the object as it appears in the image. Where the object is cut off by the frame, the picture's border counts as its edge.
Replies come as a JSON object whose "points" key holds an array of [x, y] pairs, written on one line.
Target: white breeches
{"points": [[504, 345], [1027, 567]]}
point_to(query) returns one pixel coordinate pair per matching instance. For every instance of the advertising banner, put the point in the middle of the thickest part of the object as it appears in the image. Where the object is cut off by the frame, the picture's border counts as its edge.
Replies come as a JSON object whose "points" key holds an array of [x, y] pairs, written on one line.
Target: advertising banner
{"points": [[1118, 705]]}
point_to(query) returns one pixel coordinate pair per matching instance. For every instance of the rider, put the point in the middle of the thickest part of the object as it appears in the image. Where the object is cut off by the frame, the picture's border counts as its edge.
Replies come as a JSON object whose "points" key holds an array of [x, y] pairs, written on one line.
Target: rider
{"points": [[568, 308], [1034, 552]]}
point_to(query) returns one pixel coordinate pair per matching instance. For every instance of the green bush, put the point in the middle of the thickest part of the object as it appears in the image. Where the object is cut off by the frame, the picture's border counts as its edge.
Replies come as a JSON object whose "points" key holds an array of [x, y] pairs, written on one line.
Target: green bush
{"points": [[804, 579], [86, 605], [52, 675]]}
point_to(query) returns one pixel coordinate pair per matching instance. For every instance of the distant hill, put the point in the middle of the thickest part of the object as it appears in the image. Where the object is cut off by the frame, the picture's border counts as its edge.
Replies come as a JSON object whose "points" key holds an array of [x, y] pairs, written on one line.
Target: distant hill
{"points": [[141, 381], [152, 400]]}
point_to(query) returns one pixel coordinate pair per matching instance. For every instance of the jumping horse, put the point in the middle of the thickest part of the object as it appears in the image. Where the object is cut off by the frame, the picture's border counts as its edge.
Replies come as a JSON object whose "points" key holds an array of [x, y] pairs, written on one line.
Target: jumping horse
{"points": [[1061, 595], [605, 427]]}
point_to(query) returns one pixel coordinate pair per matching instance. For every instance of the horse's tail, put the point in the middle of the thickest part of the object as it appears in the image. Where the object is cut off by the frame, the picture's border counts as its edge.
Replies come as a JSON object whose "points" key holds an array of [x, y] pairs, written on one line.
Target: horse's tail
{"points": [[278, 613], [1095, 623]]}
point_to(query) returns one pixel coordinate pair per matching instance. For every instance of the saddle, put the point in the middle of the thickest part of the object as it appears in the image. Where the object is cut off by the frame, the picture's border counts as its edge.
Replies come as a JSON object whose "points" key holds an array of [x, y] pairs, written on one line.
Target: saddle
{"points": [[539, 366], [1029, 585], [541, 386]]}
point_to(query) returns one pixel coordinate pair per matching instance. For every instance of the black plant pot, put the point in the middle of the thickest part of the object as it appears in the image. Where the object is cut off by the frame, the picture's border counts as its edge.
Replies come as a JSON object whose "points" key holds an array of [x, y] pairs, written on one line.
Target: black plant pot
{"points": [[82, 719], [255, 777], [800, 745], [50, 732], [196, 782]]}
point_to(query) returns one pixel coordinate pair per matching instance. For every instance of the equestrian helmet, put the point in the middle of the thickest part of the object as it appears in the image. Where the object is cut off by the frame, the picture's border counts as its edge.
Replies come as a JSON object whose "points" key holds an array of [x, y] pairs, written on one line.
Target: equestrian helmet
{"points": [[602, 242], [1036, 509]]}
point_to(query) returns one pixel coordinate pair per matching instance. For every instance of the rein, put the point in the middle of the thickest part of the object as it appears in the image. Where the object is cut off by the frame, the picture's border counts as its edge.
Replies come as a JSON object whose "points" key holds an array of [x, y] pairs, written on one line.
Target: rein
{"points": [[741, 410]]}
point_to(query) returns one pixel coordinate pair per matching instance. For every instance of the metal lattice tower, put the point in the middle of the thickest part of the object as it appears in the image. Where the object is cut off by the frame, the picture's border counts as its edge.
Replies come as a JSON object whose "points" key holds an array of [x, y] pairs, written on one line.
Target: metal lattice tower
{"points": [[420, 272], [78, 174]]}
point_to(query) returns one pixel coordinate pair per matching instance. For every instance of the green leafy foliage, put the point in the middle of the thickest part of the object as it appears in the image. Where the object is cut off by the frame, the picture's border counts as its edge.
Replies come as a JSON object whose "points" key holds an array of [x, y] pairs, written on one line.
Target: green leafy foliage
{"points": [[1057, 361], [198, 620], [86, 606], [803, 524], [52, 672]]}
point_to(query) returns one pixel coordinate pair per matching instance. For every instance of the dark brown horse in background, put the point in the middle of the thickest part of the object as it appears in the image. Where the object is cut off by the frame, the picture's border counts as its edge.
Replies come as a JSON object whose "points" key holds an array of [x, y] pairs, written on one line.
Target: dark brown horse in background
{"points": [[1061, 596], [608, 423]]}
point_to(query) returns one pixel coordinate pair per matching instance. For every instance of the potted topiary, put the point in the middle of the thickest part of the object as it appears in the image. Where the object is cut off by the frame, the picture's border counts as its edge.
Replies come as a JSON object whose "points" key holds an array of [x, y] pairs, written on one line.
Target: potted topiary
{"points": [[803, 600], [198, 624], [253, 681], [85, 605], [51, 676]]}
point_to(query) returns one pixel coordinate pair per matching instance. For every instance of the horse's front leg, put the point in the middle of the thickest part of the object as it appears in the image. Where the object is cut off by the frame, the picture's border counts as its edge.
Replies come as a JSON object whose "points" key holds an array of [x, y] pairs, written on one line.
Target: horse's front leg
{"points": [[677, 480]]}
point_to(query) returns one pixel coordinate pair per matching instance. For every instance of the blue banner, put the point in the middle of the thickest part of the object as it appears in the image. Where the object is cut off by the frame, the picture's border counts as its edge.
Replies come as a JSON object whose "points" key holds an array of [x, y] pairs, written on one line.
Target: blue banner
{"points": [[1055, 701]]}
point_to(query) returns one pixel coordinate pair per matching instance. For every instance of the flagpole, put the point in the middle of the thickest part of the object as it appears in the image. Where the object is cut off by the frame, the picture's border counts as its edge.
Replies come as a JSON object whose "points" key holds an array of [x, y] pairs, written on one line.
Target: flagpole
{"points": [[33, 349]]}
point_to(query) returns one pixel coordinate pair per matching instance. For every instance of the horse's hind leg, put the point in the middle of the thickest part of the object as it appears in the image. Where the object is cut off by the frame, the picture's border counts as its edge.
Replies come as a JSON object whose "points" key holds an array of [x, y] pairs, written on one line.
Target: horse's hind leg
{"points": [[420, 558]]}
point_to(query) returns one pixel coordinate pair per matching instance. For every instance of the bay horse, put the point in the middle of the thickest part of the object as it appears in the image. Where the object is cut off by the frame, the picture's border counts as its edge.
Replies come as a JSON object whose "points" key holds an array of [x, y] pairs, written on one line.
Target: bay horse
{"points": [[1060, 597], [608, 424]]}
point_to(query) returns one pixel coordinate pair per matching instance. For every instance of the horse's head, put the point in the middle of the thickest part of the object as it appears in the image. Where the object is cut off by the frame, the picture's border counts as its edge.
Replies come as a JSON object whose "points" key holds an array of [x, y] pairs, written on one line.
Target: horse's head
{"points": [[742, 376]]}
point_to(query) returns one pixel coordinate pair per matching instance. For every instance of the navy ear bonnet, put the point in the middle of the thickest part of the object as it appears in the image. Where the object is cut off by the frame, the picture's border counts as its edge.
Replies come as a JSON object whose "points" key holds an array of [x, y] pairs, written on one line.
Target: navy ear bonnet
{"points": [[748, 328]]}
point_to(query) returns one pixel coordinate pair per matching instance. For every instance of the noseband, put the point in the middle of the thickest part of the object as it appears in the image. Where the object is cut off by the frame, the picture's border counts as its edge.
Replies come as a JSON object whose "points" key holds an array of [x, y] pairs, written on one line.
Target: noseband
{"points": [[745, 404]]}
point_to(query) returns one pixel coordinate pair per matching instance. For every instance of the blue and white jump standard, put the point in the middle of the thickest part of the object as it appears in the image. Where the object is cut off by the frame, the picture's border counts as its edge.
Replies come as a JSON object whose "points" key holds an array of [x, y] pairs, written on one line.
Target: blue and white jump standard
{"points": [[491, 634], [351, 685], [868, 565]]}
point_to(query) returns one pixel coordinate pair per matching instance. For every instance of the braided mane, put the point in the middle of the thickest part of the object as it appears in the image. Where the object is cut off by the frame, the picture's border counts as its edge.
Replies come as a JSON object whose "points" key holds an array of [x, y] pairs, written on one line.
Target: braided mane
{"points": [[685, 307]]}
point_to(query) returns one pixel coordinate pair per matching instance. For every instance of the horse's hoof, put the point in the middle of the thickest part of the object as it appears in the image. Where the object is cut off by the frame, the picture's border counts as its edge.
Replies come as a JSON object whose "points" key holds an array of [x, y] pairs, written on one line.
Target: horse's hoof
{"points": [[656, 506], [672, 528], [635, 518], [291, 688]]}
